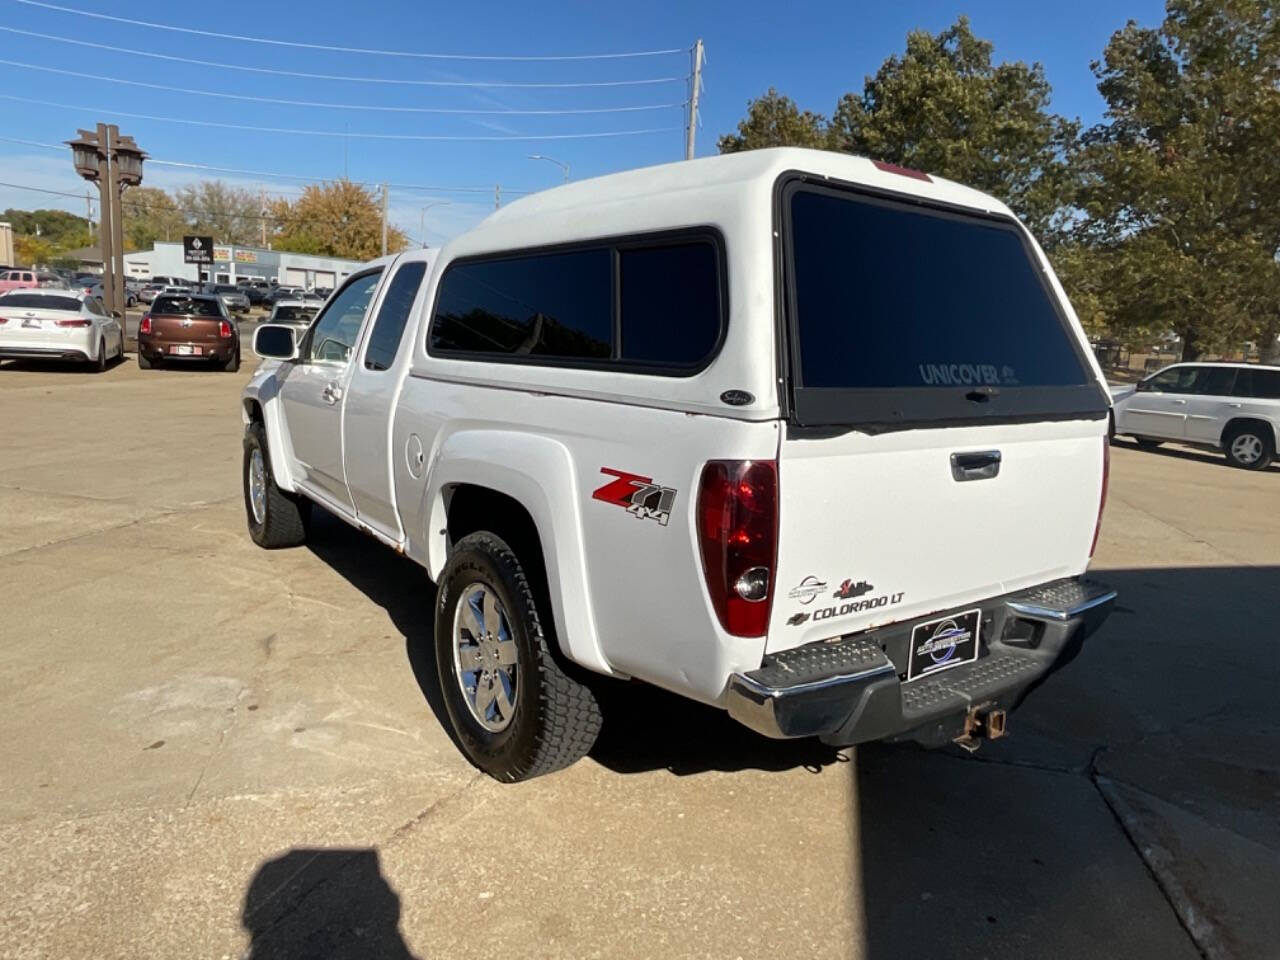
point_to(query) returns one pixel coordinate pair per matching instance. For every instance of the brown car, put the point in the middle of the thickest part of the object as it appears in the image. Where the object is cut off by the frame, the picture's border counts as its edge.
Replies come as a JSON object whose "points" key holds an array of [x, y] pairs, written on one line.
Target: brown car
{"points": [[188, 327]]}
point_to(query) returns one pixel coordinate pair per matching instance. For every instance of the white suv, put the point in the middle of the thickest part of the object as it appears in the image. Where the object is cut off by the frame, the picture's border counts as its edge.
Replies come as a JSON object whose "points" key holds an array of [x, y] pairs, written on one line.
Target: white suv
{"points": [[1232, 407], [814, 439]]}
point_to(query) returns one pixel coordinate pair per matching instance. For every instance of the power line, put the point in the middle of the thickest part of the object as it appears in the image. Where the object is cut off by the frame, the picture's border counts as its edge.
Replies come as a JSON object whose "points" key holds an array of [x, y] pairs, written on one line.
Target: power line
{"points": [[335, 49], [337, 106], [508, 84], [424, 187], [294, 131]]}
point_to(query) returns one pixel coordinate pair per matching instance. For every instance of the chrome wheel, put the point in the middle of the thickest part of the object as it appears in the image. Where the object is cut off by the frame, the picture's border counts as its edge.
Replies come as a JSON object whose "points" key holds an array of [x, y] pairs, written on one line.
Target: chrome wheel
{"points": [[257, 486], [1246, 448], [485, 657]]}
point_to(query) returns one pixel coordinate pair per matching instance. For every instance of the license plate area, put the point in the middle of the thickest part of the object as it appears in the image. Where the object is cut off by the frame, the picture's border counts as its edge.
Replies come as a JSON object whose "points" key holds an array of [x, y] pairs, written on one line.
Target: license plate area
{"points": [[943, 643], [185, 350], [32, 324]]}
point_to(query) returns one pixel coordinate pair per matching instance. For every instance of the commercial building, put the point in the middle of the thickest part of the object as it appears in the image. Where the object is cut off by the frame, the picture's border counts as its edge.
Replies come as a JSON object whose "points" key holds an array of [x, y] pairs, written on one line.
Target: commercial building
{"points": [[232, 263]]}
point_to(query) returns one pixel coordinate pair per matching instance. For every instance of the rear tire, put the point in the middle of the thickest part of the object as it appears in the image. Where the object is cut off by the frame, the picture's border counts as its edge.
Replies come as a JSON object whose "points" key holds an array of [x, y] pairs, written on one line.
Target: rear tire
{"points": [[542, 720], [100, 365], [144, 362], [232, 365], [1146, 443], [1249, 446], [276, 519]]}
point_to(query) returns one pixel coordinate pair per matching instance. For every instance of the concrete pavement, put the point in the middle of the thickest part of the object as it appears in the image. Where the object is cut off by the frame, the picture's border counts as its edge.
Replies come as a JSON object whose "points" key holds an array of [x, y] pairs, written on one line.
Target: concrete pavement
{"points": [[213, 750]]}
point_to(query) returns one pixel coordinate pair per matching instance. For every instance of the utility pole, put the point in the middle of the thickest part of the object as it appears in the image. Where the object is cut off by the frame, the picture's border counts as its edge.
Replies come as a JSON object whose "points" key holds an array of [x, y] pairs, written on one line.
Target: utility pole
{"points": [[262, 211], [88, 214], [384, 219], [107, 232], [497, 196], [694, 89]]}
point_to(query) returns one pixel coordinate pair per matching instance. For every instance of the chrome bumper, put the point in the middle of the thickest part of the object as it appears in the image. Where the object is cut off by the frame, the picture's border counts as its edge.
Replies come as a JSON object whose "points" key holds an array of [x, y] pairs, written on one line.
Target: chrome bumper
{"points": [[851, 690]]}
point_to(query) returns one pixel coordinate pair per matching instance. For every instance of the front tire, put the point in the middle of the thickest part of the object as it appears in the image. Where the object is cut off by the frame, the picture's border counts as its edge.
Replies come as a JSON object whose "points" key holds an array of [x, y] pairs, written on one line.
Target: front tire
{"points": [[276, 519], [515, 712], [1249, 446], [1147, 443]]}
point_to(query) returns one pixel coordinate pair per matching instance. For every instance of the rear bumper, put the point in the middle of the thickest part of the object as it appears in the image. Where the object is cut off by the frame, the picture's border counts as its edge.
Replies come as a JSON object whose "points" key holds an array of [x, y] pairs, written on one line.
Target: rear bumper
{"points": [[153, 349], [851, 690], [44, 353]]}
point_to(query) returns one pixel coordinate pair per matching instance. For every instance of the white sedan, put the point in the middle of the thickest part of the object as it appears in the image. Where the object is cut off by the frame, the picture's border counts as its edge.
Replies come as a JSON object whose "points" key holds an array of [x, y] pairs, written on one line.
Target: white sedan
{"points": [[53, 324]]}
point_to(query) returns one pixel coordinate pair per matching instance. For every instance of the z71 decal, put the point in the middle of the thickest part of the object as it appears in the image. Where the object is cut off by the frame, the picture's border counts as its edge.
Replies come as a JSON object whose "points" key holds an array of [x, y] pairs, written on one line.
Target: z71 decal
{"points": [[638, 495]]}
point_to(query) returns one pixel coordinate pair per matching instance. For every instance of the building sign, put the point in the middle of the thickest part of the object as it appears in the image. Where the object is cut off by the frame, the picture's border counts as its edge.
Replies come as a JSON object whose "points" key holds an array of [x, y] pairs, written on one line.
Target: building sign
{"points": [[246, 256], [197, 250], [221, 254]]}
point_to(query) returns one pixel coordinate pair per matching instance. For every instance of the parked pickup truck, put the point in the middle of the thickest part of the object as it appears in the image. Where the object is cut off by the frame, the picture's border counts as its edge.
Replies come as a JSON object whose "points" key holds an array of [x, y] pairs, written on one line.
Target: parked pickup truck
{"points": [[812, 438]]}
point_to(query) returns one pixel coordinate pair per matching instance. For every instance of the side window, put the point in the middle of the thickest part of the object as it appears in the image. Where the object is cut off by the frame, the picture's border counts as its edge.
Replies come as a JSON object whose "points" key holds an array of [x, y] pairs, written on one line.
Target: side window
{"points": [[1258, 384], [1177, 380], [334, 334], [670, 302], [393, 314], [552, 305], [1214, 381]]}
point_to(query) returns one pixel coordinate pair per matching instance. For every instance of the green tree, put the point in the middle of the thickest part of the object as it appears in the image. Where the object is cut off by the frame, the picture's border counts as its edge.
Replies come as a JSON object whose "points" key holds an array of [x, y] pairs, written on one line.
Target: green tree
{"points": [[58, 229], [1178, 221], [775, 121], [338, 219], [942, 106], [150, 215]]}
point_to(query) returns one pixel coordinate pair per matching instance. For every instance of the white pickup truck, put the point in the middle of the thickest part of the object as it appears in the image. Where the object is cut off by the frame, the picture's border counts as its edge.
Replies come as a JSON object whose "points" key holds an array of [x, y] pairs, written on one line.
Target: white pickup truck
{"points": [[812, 438]]}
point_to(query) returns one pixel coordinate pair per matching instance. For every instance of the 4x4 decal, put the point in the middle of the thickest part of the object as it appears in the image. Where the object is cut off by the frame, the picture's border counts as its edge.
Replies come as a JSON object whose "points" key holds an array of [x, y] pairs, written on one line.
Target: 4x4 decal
{"points": [[638, 495]]}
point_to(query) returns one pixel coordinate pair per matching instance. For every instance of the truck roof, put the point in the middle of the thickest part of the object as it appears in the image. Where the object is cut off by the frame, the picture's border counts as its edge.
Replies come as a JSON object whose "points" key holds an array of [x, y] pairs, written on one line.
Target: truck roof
{"points": [[750, 171]]}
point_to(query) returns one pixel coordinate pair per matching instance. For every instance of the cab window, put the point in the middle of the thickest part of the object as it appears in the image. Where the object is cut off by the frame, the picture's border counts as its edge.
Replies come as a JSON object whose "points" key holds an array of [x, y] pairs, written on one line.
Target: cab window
{"points": [[1175, 380], [1257, 384], [333, 335], [393, 314]]}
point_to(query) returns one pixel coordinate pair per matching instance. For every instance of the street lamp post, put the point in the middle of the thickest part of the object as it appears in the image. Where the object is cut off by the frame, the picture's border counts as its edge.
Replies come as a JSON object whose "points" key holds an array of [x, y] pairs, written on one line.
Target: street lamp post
{"points": [[422, 227], [113, 162], [564, 167]]}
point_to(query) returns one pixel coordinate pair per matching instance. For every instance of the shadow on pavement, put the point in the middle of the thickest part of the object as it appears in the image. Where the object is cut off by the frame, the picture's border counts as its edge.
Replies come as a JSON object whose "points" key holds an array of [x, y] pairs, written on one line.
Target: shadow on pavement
{"points": [[644, 728], [333, 904], [1167, 722], [1171, 449]]}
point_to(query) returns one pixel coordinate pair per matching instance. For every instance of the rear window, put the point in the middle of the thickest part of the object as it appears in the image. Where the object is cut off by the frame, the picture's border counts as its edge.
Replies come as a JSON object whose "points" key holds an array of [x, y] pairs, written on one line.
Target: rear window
{"points": [[903, 313], [42, 303], [1256, 384], [295, 314], [186, 306]]}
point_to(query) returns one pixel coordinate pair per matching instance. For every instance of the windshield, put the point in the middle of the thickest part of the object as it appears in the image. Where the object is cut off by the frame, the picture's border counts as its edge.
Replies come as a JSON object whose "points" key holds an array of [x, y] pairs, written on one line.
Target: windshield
{"points": [[39, 303], [295, 314], [186, 306], [904, 313]]}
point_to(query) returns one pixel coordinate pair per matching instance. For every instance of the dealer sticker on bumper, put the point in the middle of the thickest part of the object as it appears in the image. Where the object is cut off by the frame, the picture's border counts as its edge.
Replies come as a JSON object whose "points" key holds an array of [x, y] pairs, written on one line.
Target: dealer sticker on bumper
{"points": [[944, 643]]}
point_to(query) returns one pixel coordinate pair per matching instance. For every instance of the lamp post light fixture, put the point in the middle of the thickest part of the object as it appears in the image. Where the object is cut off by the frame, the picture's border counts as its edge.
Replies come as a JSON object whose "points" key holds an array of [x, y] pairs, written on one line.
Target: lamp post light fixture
{"points": [[113, 162], [564, 167], [422, 227]]}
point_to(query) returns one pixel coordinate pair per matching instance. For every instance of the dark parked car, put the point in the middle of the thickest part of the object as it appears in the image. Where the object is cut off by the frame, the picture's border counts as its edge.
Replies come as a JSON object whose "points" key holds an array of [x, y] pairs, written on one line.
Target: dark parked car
{"points": [[188, 327]]}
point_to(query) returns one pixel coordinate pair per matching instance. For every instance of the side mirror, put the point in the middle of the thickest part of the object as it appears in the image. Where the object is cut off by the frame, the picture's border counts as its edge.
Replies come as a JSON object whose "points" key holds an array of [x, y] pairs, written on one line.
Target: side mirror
{"points": [[1143, 386], [275, 341], [117, 314]]}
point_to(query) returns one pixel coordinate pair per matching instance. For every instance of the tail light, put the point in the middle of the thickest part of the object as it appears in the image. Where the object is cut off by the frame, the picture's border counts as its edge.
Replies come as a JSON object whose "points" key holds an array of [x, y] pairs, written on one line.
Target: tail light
{"points": [[145, 325], [224, 330], [3, 321], [74, 323], [738, 537], [1102, 498]]}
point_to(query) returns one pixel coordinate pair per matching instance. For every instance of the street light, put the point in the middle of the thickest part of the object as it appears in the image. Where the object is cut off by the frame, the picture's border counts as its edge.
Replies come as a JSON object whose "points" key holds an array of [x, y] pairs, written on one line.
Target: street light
{"points": [[422, 227], [113, 162], [564, 167]]}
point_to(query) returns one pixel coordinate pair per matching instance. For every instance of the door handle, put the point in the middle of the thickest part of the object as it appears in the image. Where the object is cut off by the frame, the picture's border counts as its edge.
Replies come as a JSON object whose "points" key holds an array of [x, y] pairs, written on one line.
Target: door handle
{"points": [[1235, 406], [982, 465], [1180, 402], [332, 393]]}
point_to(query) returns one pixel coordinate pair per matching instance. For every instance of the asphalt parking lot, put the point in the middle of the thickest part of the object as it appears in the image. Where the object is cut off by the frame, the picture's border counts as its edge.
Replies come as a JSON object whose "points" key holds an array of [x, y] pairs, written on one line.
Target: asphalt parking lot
{"points": [[211, 750]]}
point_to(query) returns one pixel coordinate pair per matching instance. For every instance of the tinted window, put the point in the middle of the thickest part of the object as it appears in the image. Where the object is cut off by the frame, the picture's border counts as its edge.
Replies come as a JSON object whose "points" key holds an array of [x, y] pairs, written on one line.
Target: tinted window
{"points": [[1214, 381], [393, 314], [670, 297], [187, 306], [890, 295], [294, 314], [32, 301], [555, 305], [334, 333], [1256, 384]]}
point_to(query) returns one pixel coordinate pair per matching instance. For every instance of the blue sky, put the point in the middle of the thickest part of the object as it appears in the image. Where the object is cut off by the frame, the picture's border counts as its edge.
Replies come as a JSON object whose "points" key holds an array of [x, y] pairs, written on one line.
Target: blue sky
{"points": [[812, 52]]}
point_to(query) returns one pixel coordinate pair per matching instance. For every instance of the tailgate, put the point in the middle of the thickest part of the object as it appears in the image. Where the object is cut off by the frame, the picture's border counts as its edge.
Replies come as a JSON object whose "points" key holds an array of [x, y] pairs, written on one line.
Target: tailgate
{"points": [[187, 329], [878, 529]]}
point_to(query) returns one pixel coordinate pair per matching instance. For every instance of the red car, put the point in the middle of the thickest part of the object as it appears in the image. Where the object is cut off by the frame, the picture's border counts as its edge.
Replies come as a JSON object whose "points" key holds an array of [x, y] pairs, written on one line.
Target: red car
{"points": [[188, 327]]}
